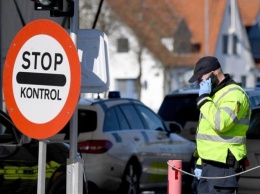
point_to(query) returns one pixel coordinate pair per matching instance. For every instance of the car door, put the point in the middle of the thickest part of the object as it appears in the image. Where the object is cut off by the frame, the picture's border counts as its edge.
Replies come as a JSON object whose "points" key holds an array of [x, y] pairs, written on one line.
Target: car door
{"points": [[126, 123], [12, 156], [162, 146], [251, 180]]}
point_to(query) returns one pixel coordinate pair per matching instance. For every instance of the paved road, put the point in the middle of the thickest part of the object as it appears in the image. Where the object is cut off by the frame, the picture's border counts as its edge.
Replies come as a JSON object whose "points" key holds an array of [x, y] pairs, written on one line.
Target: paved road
{"points": [[154, 192]]}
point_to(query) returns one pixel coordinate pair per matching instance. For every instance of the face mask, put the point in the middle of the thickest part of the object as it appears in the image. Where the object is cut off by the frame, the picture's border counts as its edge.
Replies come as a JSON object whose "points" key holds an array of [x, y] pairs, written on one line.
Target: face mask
{"points": [[213, 80]]}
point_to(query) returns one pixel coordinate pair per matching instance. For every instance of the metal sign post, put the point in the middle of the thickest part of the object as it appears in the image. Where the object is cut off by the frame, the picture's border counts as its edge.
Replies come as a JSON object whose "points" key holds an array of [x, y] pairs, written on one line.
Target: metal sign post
{"points": [[41, 167], [53, 82], [74, 164]]}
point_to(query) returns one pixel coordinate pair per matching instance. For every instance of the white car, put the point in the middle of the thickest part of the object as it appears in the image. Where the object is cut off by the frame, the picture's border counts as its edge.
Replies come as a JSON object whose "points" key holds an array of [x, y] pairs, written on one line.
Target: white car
{"points": [[125, 146]]}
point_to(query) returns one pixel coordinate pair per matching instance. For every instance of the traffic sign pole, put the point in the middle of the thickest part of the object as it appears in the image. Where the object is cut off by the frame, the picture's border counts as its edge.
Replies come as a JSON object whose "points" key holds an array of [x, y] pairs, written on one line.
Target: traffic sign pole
{"points": [[42, 73], [74, 164], [41, 167]]}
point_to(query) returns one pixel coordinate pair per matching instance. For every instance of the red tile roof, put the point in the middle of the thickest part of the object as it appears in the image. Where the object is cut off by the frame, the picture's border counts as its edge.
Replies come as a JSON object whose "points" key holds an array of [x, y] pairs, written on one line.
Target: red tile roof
{"points": [[152, 20], [249, 10], [194, 14]]}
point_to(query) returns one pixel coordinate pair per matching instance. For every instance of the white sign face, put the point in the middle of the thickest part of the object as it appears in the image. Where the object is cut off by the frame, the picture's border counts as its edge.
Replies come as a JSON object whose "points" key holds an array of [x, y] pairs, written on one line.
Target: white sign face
{"points": [[41, 78]]}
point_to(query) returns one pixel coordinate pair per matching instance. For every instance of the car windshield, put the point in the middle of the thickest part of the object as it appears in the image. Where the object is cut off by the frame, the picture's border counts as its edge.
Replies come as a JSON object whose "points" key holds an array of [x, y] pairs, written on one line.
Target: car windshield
{"points": [[180, 106], [254, 127]]}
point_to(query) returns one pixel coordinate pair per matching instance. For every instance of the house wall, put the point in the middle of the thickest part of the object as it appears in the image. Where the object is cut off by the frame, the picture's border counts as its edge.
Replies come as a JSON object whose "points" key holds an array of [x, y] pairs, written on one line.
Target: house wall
{"points": [[125, 66], [241, 64], [152, 82]]}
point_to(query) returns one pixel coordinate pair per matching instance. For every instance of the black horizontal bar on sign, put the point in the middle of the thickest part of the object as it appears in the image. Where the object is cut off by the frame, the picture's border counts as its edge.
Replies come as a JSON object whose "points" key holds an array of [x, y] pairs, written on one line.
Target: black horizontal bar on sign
{"points": [[45, 79]]}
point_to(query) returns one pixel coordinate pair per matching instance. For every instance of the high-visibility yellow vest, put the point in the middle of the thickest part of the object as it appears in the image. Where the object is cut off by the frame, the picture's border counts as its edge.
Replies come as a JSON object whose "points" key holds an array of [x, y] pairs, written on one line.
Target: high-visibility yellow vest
{"points": [[223, 123]]}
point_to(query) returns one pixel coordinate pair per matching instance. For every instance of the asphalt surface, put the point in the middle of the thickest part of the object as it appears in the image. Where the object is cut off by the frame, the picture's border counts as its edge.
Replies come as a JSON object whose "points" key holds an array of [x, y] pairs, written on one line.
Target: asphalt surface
{"points": [[154, 192]]}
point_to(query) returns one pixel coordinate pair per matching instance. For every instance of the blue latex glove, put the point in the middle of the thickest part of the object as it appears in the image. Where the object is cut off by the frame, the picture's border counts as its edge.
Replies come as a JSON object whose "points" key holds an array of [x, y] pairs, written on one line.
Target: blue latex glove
{"points": [[205, 87], [197, 173]]}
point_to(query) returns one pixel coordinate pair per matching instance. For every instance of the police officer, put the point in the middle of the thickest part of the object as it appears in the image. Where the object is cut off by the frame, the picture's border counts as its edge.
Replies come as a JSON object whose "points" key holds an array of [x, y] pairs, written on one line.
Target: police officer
{"points": [[221, 133]]}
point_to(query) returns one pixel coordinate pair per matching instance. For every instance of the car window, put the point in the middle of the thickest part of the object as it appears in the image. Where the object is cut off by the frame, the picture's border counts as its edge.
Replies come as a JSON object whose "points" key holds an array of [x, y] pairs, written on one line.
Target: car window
{"points": [[123, 123], [254, 101], [180, 108], [111, 121], [254, 127], [132, 116], [87, 121], [151, 119]]}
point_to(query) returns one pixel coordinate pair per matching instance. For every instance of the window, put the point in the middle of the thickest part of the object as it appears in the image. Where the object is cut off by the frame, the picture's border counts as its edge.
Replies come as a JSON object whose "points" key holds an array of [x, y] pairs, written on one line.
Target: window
{"points": [[254, 127], [111, 121], [122, 85], [235, 45], [122, 119], [127, 87], [243, 81], [122, 45], [225, 44], [87, 121], [152, 121], [230, 44], [175, 108], [132, 116], [258, 80]]}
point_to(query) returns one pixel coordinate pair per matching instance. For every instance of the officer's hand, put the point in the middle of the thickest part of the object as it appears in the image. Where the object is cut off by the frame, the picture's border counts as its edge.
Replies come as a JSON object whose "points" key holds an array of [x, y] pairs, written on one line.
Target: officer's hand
{"points": [[197, 173], [205, 87]]}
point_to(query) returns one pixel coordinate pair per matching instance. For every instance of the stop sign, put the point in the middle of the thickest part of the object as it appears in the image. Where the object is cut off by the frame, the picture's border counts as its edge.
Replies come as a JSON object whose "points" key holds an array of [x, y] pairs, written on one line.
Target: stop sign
{"points": [[41, 79]]}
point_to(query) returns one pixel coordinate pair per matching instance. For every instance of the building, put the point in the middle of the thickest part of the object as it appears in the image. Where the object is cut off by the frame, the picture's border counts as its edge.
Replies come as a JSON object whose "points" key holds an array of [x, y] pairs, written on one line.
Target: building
{"points": [[157, 43]]}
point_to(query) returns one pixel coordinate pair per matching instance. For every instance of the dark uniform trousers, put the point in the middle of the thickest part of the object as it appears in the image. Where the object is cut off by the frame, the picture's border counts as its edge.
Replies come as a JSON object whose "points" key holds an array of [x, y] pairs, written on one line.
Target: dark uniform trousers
{"points": [[218, 185]]}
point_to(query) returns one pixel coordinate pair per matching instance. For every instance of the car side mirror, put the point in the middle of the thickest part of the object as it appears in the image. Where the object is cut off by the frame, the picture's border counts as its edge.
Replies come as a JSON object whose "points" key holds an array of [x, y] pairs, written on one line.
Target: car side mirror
{"points": [[175, 127], [25, 139]]}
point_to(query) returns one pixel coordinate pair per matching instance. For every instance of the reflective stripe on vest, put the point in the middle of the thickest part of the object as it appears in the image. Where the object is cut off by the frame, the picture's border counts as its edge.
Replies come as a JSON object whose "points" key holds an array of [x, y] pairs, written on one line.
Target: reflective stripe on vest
{"points": [[224, 139], [225, 128]]}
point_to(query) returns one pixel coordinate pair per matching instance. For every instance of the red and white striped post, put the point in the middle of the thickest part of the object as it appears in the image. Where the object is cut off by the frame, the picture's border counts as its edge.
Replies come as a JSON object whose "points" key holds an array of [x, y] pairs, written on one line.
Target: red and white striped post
{"points": [[174, 177]]}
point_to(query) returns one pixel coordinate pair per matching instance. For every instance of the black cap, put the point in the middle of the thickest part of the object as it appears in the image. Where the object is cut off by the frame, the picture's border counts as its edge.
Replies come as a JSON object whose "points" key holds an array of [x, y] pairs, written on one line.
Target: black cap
{"points": [[204, 66]]}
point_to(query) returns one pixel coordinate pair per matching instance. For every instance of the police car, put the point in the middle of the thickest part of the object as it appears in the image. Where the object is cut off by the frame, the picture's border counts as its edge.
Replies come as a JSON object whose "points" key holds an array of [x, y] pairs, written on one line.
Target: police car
{"points": [[126, 146], [19, 162]]}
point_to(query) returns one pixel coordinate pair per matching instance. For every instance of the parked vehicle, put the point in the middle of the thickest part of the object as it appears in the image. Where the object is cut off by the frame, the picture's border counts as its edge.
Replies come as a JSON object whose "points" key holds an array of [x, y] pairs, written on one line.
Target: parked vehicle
{"points": [[181, 106], [250, 181], [19, 162], [126, 146]]}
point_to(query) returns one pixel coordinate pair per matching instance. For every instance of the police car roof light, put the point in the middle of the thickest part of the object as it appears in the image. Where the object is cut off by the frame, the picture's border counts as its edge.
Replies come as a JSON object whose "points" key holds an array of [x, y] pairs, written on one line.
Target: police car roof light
{"points": [[114, 94]]}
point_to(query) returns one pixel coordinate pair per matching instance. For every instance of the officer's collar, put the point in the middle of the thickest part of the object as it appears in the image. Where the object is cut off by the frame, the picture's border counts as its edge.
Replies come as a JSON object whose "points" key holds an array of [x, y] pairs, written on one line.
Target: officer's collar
{"points": [[227, 81]]}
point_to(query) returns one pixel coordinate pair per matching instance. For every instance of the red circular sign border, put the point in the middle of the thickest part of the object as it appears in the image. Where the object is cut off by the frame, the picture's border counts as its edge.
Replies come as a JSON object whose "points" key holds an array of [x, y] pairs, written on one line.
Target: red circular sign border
{"points": [[48, 129]]}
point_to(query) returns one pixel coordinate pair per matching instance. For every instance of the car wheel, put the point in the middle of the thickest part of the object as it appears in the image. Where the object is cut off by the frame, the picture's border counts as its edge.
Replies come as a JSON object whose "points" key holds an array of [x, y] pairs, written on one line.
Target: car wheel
{"points": [[59, 186], [130, 180]]}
